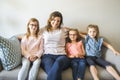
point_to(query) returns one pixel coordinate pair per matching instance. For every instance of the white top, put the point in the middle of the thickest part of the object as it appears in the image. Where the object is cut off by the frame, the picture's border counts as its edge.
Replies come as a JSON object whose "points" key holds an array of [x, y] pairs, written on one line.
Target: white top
{"points": [[54, 42]]}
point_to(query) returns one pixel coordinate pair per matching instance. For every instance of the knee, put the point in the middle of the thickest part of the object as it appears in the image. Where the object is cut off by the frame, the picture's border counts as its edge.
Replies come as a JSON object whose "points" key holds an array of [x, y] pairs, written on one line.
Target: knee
{"points": [[25, 62], [73, 64], [37, 62], [108, 67], [83, 63], [58, 62]]}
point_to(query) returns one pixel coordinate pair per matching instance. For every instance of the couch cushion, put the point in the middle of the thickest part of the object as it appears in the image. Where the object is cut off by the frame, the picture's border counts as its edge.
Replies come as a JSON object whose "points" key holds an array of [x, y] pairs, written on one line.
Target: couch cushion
{"points": [[10, 52]]}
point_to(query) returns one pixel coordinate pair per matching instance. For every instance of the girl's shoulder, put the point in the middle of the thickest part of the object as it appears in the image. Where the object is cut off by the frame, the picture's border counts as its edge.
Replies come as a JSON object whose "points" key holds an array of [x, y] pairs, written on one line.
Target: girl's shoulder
{"points": [[87, 37], [68, 44], [100, 39], [81, 41], [24, 38]]}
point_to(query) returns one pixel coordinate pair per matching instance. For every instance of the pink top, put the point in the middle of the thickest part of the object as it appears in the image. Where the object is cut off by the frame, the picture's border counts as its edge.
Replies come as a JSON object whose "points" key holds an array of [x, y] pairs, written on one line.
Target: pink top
{"points": [[32, 46], [74, 49]]}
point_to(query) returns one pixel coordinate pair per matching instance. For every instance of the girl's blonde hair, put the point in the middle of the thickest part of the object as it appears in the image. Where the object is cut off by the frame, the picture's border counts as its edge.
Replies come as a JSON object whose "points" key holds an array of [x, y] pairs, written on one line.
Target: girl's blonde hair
{"points": [[96, 28], [28, 30], [77, 33], [52, 16]]}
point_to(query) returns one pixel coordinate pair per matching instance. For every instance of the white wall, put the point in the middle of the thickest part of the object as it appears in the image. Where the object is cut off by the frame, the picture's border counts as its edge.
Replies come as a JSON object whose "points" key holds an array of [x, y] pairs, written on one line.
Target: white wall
{"points": [[14, 15]]}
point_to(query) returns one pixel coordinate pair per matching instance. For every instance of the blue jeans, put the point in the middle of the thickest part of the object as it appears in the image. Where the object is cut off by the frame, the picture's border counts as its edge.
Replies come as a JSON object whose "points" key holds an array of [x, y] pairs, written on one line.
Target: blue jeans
{"points": [[78, 68], [54, 65]]}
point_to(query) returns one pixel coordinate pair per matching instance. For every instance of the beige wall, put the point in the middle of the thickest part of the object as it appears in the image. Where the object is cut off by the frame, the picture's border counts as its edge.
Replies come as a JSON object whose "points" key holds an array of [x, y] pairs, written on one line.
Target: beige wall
{"points": [[14, 15]]}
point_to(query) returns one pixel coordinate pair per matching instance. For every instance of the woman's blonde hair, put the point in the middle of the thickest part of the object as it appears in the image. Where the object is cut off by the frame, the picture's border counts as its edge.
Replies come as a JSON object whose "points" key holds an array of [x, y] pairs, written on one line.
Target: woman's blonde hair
{"points": [[28, 30]]}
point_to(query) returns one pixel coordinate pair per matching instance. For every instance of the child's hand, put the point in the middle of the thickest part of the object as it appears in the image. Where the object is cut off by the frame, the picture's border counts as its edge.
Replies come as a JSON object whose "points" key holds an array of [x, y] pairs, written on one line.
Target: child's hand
{"points": [[116, 53], [70, 56], [32, 58]]}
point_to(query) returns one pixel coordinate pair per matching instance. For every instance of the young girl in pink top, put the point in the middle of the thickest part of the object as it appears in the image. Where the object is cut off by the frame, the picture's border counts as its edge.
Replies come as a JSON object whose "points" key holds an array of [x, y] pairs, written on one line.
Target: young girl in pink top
{"points": [[75, 51], [32, 49]]}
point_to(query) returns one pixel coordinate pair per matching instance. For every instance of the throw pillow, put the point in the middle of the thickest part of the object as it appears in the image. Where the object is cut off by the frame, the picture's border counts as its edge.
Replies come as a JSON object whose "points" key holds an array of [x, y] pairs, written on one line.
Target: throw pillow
{"points": [[10, 52]]}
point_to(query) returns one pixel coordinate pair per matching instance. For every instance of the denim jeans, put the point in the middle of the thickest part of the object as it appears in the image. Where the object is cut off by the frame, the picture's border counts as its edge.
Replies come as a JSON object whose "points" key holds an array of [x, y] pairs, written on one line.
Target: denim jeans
{"points": [[54, 65], [28, 70], [78, 68]]}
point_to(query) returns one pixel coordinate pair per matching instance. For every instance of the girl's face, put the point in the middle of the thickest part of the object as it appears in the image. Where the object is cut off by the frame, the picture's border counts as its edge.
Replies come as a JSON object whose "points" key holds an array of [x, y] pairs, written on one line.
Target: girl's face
{"points": [[72, 35], [92, 32], [55, 23], [33, 27]]}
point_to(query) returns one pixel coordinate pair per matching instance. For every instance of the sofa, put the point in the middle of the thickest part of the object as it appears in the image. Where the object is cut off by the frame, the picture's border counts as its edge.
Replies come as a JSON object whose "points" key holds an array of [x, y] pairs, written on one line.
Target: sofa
{"points": [[67, 74]]}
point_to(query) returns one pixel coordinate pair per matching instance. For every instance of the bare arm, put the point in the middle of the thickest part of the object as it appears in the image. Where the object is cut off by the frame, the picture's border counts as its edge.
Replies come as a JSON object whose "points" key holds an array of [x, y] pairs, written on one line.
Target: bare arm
{"points": [[83, 34], [83, 50], [111, 48], [81, 55]]}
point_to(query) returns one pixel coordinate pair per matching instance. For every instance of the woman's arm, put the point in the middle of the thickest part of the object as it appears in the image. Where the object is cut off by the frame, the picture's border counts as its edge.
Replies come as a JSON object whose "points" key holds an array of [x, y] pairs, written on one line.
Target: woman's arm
{"points": [[111, 47]]}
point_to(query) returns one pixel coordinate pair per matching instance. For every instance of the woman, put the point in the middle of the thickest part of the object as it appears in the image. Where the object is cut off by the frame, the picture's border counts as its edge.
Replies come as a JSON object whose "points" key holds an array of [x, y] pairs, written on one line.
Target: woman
{"points": [[54, 60]]}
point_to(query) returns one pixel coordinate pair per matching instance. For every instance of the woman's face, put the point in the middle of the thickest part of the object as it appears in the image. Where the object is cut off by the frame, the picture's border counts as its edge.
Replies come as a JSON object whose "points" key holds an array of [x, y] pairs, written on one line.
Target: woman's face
{"points": [[33, 27], [55, 23], [92, 32], [72, 35]]}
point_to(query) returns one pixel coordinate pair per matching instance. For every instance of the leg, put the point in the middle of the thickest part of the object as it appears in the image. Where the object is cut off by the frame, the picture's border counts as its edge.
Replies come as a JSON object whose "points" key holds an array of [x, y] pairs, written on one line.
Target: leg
{"points": [[112, 71], [108, 67], [94, 72], [47, 62], [61, 62], [74, 66], [81, 69], [34, 70], [22, 75]]}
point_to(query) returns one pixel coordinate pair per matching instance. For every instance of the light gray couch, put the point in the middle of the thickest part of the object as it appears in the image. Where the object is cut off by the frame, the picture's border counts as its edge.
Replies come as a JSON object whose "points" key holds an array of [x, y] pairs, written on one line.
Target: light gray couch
{"points": [[67, 74]]}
